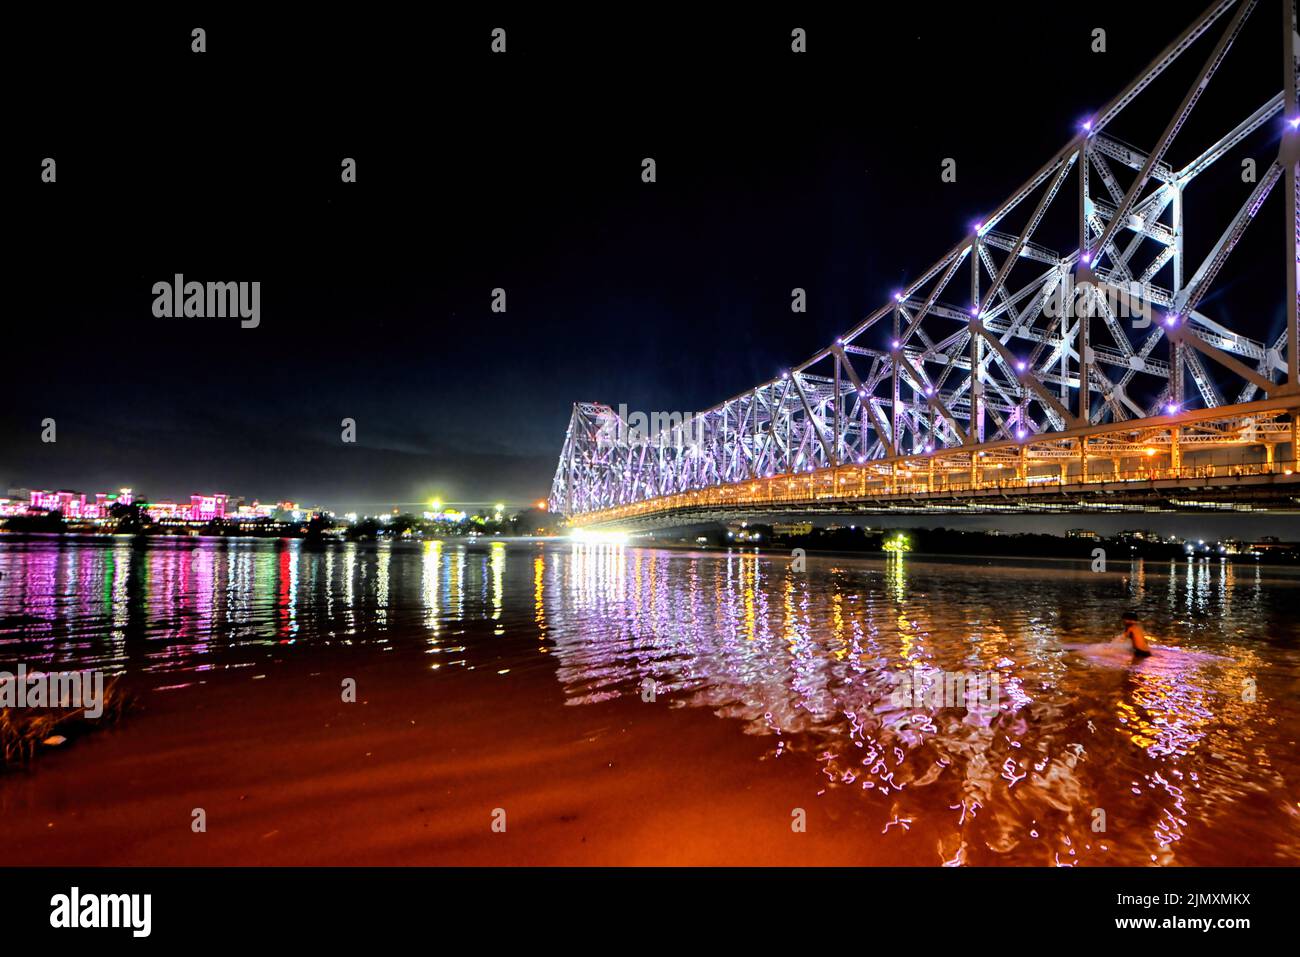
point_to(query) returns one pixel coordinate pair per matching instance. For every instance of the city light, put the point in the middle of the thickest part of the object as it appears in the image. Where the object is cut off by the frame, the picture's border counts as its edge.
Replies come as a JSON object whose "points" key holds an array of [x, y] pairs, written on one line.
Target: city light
{"points": [[897, 543]]}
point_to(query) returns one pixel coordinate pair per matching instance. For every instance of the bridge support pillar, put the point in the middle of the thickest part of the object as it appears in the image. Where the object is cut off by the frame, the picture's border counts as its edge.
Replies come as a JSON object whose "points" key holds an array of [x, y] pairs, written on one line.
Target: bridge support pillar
{"points": [[974, 469], [1022, 468], [1083, 459], [1268, 455], [1175, 450]]}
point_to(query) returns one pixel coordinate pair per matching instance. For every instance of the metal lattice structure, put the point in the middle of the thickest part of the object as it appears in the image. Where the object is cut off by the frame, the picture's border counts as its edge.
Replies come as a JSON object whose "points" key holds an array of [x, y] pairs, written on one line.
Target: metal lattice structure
{"points": [[1010, 354]]}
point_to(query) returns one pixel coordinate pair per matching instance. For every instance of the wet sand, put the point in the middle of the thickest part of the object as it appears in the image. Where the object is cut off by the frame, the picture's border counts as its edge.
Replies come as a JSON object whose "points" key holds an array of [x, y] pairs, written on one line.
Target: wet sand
{"points": [[411, 773]]}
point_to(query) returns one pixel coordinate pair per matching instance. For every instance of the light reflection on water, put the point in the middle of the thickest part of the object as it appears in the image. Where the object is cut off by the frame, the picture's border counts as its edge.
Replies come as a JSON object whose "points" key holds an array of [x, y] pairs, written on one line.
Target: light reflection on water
{"points": [[1184, 767]]}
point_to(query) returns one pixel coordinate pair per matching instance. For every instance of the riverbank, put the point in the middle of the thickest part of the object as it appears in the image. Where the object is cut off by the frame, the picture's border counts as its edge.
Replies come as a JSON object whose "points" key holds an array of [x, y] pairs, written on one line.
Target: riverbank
{"points": [[26, 732], [413, 772]]}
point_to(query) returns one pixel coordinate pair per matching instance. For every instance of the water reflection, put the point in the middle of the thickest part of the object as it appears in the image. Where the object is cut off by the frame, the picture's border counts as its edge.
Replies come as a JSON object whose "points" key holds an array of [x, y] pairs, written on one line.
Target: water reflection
{"points": [[1175, 753]]}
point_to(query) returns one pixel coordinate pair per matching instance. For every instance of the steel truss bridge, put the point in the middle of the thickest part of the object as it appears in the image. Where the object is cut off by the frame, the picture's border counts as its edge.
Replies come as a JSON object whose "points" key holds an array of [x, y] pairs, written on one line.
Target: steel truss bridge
{"points": [[1013, 376]]}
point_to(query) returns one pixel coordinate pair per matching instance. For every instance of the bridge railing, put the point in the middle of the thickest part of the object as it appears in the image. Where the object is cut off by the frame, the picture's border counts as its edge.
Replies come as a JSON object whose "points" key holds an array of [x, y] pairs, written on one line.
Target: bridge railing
{"points": [[850, 483]]}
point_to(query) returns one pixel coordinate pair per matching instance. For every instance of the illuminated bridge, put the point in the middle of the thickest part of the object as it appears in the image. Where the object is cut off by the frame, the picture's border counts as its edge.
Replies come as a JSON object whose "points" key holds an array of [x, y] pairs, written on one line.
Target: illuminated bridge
{"points": [[1070, 353]]}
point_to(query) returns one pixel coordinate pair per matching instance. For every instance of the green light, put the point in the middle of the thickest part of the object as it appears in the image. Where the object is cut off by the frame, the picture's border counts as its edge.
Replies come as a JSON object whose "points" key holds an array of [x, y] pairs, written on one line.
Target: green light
{"points": [[897, 543]]}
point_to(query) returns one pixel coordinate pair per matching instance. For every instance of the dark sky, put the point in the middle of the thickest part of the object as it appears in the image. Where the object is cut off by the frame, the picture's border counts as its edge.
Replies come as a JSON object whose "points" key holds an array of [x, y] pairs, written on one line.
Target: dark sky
{"points": [[520, 171]]}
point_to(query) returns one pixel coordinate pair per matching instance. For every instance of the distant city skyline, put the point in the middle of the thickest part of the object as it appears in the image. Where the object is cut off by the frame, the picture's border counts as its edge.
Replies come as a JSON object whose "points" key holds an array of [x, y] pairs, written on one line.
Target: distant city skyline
{"points": [[1187, 525]]}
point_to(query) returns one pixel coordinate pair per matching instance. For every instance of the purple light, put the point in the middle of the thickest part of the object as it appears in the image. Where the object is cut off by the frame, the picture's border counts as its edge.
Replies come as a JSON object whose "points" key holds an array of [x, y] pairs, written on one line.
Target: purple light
{"points": [[898, 297], [1295, 122], [1020, 433], [1171, 408], [1021, 365], [975, 312], [1087, 126], [1171, 320], [929, 391], [894, 344], [1086, 258]]}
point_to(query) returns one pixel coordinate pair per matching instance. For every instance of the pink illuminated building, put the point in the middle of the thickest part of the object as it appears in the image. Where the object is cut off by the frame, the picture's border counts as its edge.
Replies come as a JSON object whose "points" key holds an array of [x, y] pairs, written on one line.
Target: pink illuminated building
{"points": [[76, 506], [73, 505], [204, 508]]}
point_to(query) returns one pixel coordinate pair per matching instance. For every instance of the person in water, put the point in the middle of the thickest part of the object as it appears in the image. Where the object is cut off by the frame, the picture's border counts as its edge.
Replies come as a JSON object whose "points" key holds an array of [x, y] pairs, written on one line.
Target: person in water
{"points": [[1135, 635]]}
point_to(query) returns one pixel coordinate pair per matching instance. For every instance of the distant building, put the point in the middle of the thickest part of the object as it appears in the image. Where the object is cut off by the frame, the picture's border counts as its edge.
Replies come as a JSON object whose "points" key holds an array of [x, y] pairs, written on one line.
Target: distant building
{"points": [[205, 508], [792, 528], [742, 532], [1270, 543], [1080, 533], [72, 505], [202, 508]]}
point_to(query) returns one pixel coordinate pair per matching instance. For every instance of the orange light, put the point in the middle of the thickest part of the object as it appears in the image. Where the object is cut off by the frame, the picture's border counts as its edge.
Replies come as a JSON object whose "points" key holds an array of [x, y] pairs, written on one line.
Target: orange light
{"points": [[541, 505]]}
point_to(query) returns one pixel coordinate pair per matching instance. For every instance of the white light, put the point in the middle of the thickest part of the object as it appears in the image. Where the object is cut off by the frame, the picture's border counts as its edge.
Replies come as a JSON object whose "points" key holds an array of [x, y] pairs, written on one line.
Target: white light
{"points": [[589, 536]]}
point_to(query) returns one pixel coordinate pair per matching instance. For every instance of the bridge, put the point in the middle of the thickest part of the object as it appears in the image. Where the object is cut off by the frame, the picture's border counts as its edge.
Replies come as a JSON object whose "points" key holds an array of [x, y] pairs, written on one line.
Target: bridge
{"points": [[1012, 375]]}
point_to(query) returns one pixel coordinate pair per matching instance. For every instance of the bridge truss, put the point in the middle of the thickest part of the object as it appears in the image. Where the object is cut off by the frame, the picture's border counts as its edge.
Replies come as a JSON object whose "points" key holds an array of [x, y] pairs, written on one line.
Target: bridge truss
{"points": [[1010, 364]]}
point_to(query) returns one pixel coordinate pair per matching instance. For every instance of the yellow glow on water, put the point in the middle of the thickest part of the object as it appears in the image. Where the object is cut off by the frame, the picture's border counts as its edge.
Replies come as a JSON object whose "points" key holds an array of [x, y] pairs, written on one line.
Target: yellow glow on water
{"points": [[430, 581], [498, 569], [539, 602]]}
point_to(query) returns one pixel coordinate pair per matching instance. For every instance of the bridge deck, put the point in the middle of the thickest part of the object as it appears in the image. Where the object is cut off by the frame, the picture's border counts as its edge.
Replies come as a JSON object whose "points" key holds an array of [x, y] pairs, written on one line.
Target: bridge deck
{"points": [[1205, 461]]}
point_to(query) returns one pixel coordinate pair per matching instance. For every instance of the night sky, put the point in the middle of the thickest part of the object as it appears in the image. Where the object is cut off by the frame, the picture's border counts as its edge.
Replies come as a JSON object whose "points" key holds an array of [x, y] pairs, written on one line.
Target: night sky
{"points": [[519, 171]]}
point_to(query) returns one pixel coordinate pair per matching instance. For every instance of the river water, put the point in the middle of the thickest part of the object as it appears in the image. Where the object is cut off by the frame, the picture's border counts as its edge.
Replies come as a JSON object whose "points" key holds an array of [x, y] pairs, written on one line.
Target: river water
{"points": [[1083, 756]]}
